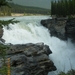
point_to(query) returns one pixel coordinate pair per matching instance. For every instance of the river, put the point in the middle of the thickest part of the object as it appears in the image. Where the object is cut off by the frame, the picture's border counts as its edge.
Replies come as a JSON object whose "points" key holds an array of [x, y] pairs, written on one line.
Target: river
{"points": [[29, 30]]}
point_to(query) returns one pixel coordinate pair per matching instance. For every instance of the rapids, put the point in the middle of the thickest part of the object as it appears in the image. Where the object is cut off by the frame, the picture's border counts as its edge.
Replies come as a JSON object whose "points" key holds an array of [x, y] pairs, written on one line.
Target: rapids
{"points": [[29, 30]]}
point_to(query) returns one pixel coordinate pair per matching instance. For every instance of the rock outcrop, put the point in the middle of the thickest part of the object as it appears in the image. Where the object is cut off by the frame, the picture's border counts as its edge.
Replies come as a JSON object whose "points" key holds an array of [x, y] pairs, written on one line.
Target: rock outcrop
{"points": [[5, 23], [1, 32], [70, 29], [30, 59], [61, 28], [56, 27]]}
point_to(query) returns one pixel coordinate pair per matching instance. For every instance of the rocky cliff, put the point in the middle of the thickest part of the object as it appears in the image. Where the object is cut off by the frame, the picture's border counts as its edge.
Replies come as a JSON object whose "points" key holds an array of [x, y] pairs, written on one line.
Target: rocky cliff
{"points": [[30, 59], [70, 29], [61, 28]]}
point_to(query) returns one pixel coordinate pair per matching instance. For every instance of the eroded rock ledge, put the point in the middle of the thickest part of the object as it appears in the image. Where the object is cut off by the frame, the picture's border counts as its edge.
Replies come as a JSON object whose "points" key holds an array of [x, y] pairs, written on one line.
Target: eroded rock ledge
{"points": [[61, 28], [30, 59], [56, 27], [70, 29]]}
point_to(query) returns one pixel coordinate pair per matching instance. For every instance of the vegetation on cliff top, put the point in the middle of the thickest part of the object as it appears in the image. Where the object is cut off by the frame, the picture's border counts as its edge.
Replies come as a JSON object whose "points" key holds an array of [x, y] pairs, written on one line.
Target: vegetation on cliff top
{"points": [[63, 7]]}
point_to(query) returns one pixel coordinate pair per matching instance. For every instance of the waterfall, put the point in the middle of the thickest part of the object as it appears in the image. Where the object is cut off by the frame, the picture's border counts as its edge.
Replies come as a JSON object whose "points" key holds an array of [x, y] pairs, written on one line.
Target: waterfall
{"points": [[29, 30]]}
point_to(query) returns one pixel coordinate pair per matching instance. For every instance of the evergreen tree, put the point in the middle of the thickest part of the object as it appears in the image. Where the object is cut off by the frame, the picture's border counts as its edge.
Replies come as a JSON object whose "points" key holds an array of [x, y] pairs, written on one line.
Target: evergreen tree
{"points": [[55, 4], [52, 8], [63, 7], [58, 8], [73, 6], [4, 2]]}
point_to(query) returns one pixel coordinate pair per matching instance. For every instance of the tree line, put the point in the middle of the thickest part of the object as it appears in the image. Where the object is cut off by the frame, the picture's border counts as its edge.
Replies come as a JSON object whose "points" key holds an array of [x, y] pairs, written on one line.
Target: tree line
{"points": [[7, 7], [4, 3], [63, 7], [15, 8]]}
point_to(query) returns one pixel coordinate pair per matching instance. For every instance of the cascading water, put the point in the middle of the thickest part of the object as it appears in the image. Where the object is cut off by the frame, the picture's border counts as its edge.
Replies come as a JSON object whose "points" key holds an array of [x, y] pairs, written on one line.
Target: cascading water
{"points": [[29, 30]]}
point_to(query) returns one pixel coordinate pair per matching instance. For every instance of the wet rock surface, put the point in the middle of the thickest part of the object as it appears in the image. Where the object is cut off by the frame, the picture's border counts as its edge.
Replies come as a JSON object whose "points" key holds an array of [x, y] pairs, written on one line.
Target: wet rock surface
{"points": [[30, 59], [70, 29], [56, 27], [1, 32], [61, 28]]}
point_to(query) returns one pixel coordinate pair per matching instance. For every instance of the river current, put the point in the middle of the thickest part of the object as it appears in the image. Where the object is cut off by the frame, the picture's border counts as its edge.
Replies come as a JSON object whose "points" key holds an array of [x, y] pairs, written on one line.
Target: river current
{"points": [[29, 30]]}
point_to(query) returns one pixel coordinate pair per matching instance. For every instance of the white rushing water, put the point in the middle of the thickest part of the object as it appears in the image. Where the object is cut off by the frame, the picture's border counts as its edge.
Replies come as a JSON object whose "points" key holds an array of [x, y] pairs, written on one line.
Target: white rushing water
{"points": [[29, 30]]}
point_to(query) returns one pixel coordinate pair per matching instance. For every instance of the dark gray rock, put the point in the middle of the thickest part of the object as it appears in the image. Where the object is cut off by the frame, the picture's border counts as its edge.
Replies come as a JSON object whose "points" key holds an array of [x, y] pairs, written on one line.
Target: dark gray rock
{"points": [[1, 63], [30, 59], [70, 29], [56, 27], [61, 28], [1, 32]]}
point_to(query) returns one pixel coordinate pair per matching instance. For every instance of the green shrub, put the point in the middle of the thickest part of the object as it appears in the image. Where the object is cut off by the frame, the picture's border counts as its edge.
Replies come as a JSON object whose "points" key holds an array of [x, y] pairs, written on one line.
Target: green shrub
{"points": [[3, 68]]}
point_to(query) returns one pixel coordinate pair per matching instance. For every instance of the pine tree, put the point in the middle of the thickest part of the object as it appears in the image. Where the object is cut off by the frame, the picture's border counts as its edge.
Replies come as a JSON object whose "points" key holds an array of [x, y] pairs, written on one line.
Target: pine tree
{"points": [[4, 2], [52, 8], [56, 9], [73, 6], [59, 8], [63, 7]]}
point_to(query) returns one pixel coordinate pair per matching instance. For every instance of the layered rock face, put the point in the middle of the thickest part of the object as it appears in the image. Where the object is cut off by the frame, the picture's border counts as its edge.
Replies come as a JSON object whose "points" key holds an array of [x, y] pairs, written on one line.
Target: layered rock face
{"points": [[30, 59], [61, 28], [70, 29], [1, 34], [56, 27]]}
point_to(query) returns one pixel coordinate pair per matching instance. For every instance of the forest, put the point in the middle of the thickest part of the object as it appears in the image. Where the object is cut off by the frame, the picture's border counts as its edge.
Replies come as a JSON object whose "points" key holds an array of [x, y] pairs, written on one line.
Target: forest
{"points": [[15, 8], [63, 7]]}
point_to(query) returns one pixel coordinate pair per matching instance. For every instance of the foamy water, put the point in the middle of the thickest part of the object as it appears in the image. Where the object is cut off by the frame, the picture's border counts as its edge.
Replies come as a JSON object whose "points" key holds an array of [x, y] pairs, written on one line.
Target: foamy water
{"points": [[29, 30]]}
